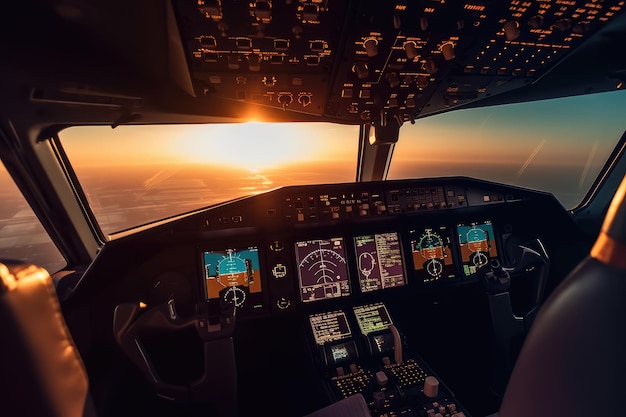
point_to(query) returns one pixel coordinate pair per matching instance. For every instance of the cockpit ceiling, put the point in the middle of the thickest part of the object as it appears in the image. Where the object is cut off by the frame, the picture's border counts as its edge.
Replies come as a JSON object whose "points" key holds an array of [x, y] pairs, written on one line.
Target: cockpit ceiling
{"points": [[392, 60], [344, 61]]}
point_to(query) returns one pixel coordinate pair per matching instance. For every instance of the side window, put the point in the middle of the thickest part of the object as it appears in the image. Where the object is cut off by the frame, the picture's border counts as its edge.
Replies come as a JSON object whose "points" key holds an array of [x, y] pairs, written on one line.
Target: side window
{"points": [[22, 237]]}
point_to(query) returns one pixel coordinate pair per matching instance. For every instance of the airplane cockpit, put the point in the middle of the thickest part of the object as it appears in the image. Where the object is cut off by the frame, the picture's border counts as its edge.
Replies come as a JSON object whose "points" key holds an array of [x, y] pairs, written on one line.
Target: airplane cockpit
{"points": [[312, 208]]}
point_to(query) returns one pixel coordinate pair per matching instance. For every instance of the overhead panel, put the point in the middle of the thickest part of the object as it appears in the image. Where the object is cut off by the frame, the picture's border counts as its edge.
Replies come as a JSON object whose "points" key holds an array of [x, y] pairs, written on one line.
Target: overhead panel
{"points": [[397, 60]]}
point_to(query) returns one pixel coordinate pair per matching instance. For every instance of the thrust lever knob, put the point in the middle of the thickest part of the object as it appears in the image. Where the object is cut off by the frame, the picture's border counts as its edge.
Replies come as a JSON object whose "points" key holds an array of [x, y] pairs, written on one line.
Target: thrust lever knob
{"points": [[431, 386]]}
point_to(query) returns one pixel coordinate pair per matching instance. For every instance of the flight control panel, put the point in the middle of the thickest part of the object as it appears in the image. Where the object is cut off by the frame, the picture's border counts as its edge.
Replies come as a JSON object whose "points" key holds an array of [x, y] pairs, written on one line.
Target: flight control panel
{"points": [[346, 268], [281, 251], [360, 351]]}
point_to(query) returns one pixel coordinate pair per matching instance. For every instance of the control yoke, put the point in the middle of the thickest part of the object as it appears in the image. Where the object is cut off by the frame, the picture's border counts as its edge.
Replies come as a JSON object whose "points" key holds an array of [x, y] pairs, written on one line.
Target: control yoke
{"points": [[133, 322]]}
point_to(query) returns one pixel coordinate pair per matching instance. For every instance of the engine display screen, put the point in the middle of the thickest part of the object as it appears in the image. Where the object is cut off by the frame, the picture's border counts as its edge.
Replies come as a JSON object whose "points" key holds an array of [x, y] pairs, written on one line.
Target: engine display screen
{"points": [[478, 246], [372, 318], [322, 269], [329, 326], [233, 276], [432, 255], [379, 261]]}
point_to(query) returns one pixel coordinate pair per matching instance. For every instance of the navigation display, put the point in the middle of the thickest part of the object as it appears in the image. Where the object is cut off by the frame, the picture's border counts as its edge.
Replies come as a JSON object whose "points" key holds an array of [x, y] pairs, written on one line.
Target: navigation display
{"points": [[379, 261], [478, 246], [432, 256], [322, 269], [329, 327], [233, 276], [372, 318]]}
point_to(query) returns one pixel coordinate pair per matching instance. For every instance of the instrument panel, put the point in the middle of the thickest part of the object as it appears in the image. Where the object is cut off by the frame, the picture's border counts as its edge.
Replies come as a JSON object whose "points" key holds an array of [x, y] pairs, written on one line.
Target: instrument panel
{"points": [[338, 266], [304, 283], [285, 250]]}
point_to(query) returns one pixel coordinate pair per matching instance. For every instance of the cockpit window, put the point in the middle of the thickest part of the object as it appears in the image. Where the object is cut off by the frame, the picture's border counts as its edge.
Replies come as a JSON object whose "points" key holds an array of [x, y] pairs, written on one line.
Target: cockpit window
{"points": [[22, 237], [133, 175], [557, 145]]}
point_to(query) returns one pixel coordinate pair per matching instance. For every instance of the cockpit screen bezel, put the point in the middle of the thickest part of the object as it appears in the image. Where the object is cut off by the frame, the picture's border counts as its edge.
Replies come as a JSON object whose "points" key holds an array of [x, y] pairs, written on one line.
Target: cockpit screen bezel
{"points": [[322, 269], [431, 250], [380, 261], [329, 326], [241, 285], [477, 246]]}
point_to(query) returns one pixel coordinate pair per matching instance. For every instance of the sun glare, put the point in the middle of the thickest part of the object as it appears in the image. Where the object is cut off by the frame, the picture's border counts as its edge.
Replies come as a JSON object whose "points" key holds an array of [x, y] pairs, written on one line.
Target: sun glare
{"points": [[254, 145]]}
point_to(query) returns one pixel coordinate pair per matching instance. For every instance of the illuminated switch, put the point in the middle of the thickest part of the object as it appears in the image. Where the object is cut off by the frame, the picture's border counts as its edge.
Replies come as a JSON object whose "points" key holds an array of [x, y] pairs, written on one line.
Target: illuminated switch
{"points": [[210, 7], [279, 271], [281, 44], [300, 217], [316, 46], [243, 43], [312, 60], [208, 42], [346, 93], [364, 94]]}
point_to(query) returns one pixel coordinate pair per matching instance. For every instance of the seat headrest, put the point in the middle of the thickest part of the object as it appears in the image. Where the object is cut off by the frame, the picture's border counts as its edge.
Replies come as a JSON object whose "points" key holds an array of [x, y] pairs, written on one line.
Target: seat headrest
{"points": [[610, 246], [42, 372]]}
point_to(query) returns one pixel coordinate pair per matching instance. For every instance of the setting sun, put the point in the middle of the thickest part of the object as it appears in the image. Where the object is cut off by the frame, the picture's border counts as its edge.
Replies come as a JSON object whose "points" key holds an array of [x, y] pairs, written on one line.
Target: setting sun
{"points": [[254, 146]]}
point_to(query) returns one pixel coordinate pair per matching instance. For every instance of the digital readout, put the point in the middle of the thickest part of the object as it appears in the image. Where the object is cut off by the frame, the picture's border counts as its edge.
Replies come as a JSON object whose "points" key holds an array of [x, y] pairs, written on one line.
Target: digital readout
{"points": [[233, 275], [372, 318], [322, 269], [329, 327], [379, 261], [432, 256], [478, 246]]}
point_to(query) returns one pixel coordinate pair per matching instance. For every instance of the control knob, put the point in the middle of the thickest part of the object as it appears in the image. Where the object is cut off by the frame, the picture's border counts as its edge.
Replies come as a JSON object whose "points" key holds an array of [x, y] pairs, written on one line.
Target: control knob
{"points": [[431, 386]]}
